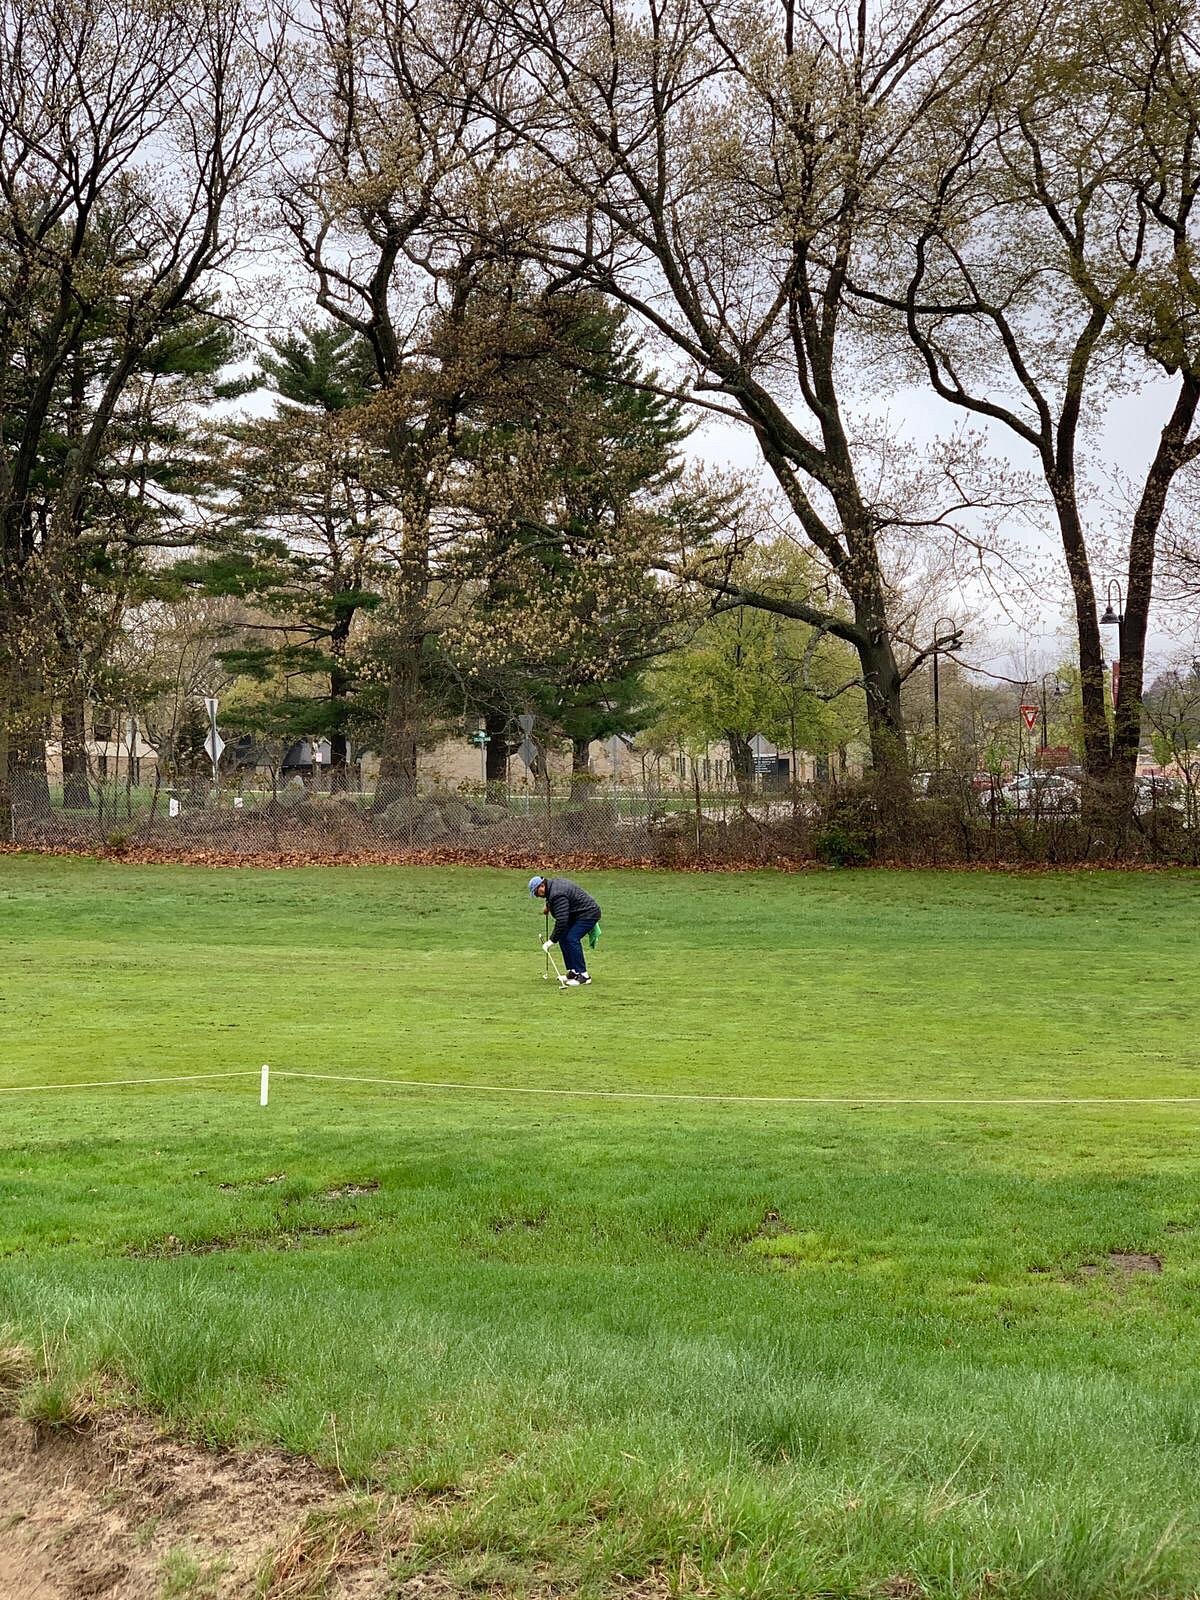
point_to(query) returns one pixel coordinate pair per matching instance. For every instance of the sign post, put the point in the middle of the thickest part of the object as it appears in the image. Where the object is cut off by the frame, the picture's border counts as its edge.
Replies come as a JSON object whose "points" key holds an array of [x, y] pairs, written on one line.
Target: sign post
{"points": [[1029, 716], [527, 750], [214, 744], [481, 738]]}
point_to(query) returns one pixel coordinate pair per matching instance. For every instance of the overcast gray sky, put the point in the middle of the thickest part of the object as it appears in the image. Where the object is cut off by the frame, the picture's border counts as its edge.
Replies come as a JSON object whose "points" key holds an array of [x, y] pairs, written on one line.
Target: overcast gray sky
{"points": [[1027, 632]]}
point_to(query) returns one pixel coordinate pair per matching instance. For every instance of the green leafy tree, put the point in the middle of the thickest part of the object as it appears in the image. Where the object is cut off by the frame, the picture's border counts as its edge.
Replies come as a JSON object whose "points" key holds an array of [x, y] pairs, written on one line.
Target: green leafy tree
{"points": [[749, 671]]}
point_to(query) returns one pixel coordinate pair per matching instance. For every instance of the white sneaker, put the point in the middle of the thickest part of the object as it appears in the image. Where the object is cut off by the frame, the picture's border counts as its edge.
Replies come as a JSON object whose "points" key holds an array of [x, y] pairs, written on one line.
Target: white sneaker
{"points": [[577, 979]]}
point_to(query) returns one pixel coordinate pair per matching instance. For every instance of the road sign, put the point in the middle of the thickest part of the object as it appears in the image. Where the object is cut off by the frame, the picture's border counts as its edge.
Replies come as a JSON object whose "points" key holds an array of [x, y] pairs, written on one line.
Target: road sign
{"points": [[479, 737], [1030, 713], [213, 743], [525, 724], [528, 752]]}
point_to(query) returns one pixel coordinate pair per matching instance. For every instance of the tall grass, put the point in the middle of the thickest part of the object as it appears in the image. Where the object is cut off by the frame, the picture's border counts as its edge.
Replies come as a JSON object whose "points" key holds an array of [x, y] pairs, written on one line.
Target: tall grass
{"points": [[718, 1348]]}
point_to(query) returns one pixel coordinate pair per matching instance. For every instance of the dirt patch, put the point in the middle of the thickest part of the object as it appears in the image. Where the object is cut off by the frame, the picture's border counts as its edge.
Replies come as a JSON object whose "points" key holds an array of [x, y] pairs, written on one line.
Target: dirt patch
{"points": [[118, 1512], [253, 1183], [285, 1239], [517, 1224], [1125, 1262], [772, 1226], [352, 1191]]}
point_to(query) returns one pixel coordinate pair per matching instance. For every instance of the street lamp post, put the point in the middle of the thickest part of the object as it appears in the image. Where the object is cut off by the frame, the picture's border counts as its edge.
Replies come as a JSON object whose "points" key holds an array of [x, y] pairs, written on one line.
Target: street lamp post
{"points": [[1058, 689], [1115, 619], [937, 698]]}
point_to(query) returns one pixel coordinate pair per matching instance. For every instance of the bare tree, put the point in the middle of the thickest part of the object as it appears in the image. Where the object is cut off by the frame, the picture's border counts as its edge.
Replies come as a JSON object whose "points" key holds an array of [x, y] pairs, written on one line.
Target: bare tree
{"points": [[704, 162], [1173, 713], [129, 134], [1039, 241]]}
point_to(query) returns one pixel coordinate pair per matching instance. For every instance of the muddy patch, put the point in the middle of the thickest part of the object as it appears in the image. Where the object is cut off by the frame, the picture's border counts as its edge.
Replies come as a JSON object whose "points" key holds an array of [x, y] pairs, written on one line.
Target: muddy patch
{"points": [[115, 1511], [1126, 1263], [1118, 1264], [284, 1239], [352, 1191]]}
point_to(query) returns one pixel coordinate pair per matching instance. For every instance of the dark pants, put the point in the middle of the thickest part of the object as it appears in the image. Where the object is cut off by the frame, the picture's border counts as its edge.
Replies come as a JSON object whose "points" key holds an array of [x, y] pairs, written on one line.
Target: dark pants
{"points": [[571, 942]]}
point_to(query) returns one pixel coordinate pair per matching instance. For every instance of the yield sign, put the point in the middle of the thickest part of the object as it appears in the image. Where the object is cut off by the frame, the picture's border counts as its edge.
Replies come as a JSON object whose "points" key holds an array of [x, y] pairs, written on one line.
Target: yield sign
{"points": [[1030, 713]]}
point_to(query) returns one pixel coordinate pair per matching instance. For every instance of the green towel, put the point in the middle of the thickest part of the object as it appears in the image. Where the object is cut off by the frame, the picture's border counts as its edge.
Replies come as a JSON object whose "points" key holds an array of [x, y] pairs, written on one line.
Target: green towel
{"points": [[594, 936]]}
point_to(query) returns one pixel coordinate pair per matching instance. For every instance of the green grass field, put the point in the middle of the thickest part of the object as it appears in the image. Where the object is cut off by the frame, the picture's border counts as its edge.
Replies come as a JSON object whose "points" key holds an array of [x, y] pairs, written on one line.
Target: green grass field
{"points": [[722, 1347]]}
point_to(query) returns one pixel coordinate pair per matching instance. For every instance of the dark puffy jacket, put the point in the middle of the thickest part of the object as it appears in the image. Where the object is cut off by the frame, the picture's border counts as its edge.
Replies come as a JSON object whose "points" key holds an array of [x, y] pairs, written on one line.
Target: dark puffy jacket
{"points": [[567, 902]]}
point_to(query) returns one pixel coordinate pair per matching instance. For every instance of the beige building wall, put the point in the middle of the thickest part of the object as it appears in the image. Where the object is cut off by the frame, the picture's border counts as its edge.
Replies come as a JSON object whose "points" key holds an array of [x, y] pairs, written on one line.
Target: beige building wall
{"points": [[454, 761]]}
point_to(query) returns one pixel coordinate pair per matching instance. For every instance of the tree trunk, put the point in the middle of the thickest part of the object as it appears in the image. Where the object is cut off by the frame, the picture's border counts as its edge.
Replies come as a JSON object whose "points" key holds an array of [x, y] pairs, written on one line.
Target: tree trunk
{"points": [[398, 755], [881, 685], [495, 725], [77, 791], [1127, 713], [7, 832], [581, 771], [340, 684], [339, 762], [29, 785], [741, 759]]}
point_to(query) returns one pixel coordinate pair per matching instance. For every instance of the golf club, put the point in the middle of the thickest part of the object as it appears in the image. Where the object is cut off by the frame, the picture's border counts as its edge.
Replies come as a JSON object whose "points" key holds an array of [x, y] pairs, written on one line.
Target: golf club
{"points": [[552, 963]]}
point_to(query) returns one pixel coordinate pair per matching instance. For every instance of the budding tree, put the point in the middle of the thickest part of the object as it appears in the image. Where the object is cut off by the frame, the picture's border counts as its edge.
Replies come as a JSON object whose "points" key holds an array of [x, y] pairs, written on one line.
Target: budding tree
{"points": [[704, 163], [384, 130]]}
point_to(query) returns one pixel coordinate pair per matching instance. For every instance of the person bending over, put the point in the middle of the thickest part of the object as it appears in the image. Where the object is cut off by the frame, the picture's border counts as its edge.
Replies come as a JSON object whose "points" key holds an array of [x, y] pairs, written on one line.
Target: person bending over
{"points": [[576, 917]]}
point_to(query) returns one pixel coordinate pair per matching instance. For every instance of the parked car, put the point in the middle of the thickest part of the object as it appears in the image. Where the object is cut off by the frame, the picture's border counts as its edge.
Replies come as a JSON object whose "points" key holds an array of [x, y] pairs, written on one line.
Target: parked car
{"points": [[1044, 794], [1156, 793]]}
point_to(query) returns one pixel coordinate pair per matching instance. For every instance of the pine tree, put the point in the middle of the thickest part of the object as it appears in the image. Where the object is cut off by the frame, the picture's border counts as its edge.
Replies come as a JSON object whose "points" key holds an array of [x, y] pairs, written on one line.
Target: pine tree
{"points": [[572, 457], [305, 540]]}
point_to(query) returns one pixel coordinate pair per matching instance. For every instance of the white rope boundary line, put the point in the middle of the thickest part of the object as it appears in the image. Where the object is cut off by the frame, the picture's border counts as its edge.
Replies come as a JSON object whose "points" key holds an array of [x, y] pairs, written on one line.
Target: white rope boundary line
{"points": [[753, 1099], [125, 1083], [629, 1094]]}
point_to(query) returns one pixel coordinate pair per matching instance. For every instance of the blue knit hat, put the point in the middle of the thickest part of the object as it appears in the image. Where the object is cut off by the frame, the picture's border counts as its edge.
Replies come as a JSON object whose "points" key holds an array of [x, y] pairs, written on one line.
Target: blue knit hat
{"points": [[535, 884]]}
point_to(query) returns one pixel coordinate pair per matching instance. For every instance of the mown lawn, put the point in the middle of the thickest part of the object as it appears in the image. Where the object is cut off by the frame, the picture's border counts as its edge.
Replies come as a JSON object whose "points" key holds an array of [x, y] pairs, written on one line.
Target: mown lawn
{"points": [[735, 1348]]}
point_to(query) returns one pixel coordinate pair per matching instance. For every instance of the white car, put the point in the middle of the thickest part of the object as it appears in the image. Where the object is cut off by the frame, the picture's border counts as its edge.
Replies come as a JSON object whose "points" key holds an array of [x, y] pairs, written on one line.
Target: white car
{"points": [[1042, 794]]}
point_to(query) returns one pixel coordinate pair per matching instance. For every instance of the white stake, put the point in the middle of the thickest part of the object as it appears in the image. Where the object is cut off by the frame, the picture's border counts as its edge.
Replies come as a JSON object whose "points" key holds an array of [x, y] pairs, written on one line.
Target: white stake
{"points": [[265, 1087]]}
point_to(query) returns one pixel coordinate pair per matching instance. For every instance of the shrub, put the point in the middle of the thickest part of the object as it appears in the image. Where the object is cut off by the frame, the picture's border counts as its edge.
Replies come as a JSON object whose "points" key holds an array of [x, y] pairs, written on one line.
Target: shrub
{"points": [[845, 835]]}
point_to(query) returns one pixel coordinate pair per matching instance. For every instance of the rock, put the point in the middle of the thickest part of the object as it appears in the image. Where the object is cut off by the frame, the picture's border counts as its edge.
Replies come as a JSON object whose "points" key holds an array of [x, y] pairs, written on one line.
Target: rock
{"points": [[430, 826], [456, 814], [484, 814]]}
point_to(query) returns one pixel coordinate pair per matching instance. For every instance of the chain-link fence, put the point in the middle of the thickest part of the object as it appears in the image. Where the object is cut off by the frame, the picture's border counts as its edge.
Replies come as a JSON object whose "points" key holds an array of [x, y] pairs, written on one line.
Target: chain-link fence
{"points": [[652, 821]]}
